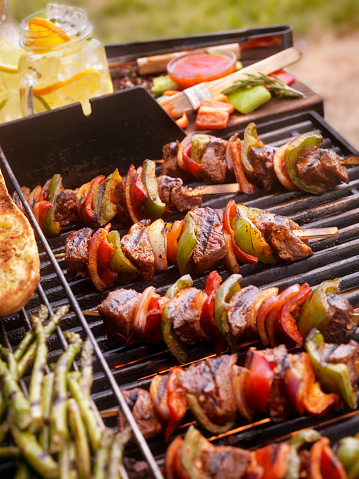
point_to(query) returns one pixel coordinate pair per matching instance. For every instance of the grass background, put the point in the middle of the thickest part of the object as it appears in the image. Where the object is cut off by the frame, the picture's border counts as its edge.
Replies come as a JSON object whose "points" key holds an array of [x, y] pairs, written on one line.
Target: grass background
{"points": [[117, 21]]}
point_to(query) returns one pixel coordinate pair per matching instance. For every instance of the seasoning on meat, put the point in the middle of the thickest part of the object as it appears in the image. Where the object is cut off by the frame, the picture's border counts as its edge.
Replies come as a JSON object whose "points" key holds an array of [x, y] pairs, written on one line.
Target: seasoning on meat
{"points": [[175, 195], [138, 250], [239, 312], [65, 211], [261, 159], [186, 324], [341, 328], [213, 161], [77, 252]]}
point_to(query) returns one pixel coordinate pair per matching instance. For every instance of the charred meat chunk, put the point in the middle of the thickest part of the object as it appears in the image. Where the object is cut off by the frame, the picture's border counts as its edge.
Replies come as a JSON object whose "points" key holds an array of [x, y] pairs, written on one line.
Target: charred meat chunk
{"points": [[224, 462], [186, 324], [277, 230], [77, 252], [65, 210], [117, 311], [175, 195], [211, 247], [343, 353], [138, 250], [16, 198], [261, 159], [170, 164], [140, 403], [120, 201], [213, 161], [211, 382], [340, 328], [321, 167], [239, 312]]}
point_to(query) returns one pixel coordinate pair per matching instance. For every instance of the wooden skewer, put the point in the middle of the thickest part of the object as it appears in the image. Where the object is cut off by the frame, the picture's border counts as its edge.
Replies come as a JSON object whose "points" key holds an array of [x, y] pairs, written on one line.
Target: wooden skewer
{"points": [[350, 160], [190, 99]]}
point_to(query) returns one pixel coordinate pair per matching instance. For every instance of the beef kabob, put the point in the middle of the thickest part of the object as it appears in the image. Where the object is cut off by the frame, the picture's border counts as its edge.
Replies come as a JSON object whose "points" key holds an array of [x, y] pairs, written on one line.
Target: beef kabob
{"points": [[226, 315], [198, 243], [273, 382], [300, 164]]}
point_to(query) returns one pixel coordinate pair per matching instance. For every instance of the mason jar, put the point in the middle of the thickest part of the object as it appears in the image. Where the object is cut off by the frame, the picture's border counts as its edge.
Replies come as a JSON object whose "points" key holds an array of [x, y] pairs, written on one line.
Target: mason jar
{"points": [[61, 62]]}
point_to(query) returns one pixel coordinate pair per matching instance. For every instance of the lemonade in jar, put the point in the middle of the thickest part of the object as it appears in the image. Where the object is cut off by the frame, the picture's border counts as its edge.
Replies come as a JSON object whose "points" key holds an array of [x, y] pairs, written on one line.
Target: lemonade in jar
{"points": [[61, 62], [9, 56]]}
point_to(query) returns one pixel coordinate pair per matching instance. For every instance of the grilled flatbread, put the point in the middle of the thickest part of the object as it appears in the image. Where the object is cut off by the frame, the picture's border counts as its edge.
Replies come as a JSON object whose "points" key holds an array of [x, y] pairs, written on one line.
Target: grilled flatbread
{"points": [[19, 257]]}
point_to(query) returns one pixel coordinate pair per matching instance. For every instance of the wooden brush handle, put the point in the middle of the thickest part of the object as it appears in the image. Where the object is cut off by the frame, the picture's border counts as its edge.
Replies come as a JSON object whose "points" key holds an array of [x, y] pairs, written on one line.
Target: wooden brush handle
{"points": [[268, 65]]}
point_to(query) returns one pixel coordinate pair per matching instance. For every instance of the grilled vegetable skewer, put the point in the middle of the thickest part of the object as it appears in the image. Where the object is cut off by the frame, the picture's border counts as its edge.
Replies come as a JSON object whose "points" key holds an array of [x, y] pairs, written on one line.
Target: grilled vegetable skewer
{"points": [[226, 315], [205, 238]]}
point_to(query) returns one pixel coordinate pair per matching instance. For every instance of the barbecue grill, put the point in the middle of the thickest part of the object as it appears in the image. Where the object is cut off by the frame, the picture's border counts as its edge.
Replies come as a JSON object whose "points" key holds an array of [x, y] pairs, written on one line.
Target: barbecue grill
{"points": [[128, 127]]}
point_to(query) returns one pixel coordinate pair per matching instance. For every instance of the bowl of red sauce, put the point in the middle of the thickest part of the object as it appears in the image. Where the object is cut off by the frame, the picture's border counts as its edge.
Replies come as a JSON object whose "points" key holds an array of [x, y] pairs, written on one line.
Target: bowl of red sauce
{"points": [[197, 67]]}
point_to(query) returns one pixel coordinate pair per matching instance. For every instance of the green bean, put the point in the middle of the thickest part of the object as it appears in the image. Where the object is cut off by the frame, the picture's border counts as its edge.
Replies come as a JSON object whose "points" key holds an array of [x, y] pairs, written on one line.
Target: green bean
{"points": [[77, 427]]}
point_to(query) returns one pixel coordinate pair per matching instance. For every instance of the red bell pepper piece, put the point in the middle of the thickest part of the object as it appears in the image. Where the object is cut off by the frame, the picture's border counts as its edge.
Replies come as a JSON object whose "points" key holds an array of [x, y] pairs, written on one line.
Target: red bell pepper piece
{"points": [[192, 166], [138, 192], [235, 152], [40, 209], [176, 400], [261, 319], [287, 325], [87, 211], [258, 381], [286, 77], [322, 463], [101, 276], [173, 466], [229, 214], [221, 105], [274, 459], [207, 321], [210, 118], [173, 234], [183, 121], [152, 331]]}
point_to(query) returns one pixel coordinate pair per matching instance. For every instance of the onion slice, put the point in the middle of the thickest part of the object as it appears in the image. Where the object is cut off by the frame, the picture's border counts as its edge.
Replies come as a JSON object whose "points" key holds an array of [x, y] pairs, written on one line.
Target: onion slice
{"points": [[263, 296], [157, 236], [140, 314], [239, 375], [280, 170], [159, 396], [92, 263]]}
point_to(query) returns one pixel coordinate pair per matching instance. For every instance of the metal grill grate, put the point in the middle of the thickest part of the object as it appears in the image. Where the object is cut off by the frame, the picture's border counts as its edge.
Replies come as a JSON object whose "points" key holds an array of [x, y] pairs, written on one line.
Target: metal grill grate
{"points": [[119, 367]]}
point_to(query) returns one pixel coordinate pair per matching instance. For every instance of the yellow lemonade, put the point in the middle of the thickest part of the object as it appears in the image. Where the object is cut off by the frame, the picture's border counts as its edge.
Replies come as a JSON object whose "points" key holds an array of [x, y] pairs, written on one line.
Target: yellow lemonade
{"points": [[9, 56], [62, 63]]}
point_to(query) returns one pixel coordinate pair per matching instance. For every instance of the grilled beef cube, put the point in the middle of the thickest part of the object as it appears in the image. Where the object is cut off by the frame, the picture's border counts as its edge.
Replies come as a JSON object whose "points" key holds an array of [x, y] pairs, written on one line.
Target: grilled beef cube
{"points": [[65, 211], [138, 250], [224, 462], [213, 161], [137, 469], [343, 353], [77, 252], [140, 403], [186, 324], [277, 231], [117, 312], [170, 165], [239, 312], [175, 195], [262, 161], [120, 200], [321, 167], [340, 328], [211, 382], [211, 247]]}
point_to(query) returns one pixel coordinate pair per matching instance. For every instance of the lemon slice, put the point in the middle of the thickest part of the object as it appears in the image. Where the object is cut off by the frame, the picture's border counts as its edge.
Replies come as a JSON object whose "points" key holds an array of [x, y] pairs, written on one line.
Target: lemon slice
{"points": [[88, 80], [45, 33], [8, 68]]}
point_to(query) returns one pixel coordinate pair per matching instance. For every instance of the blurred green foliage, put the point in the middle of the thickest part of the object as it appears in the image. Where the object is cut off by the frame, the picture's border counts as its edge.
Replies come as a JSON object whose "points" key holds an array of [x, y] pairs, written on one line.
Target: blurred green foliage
{"points": [[118, 21]]}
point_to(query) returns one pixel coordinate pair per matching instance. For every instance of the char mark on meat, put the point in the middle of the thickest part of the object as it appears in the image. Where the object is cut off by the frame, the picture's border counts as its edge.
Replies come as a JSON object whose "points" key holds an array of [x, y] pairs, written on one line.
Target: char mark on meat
{"points": [[213, 161], [239, 312], [321, 167], [278, 232], [117, 312], [186, 324], [211, 247], [211, 382], [65, 211], [138, 250], [140, 403], [261, 159], [77, 252]]}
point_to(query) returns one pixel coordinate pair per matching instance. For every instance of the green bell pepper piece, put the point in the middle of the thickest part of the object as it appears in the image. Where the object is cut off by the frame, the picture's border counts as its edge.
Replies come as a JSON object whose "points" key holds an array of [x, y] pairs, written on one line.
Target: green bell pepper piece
{"points": [[332, 377], [247, 100], [104, 208], [250, 140], [249, 238], [202, 418], [52, 227], [186, 244], [296, 442], [162, 84], [199, 143], [347, 451], [316, 311], [291, 155], [153, 204], [193, 443], [224, 294], [176, 347], [119, 263]]}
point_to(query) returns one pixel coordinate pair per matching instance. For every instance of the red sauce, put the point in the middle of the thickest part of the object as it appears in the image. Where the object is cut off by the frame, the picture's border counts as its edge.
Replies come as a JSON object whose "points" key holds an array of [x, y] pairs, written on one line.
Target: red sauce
{"points": [[188, 70]]}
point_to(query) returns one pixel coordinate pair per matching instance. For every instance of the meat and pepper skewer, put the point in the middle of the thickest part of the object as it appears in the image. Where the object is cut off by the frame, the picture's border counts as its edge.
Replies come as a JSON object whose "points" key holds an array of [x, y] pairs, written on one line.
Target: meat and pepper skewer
{"points": [[300, 164], [198, 243], [226, 315], [217, 391]]}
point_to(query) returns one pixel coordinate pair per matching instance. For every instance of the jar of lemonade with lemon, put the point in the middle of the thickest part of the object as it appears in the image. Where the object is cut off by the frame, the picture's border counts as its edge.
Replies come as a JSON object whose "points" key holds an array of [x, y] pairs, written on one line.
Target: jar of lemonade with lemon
{"points": [[9, 56], [61, 62]]}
